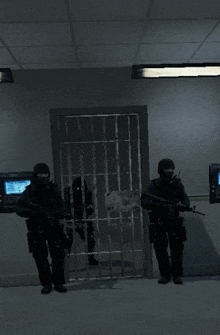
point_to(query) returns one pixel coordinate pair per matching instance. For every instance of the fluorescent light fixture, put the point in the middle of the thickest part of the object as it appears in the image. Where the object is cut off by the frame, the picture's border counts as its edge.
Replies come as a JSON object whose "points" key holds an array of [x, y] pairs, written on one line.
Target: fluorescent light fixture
{"points": [[6, 76], [172, 71]]}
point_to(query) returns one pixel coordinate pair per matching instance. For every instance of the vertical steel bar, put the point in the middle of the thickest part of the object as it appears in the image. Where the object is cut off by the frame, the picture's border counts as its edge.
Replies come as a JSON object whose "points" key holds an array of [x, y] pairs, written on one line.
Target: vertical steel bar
{"points": [[140, 190], [95, 192], [119, 188], [83, 195], [107, 190], [61, 153], [70, 170], [131, 188]]}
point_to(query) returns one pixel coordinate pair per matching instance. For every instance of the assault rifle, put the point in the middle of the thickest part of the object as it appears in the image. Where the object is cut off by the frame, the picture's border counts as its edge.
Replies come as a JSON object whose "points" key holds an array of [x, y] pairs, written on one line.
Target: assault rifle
{"points": [[68, 241], [180, 207], [40, 209]]}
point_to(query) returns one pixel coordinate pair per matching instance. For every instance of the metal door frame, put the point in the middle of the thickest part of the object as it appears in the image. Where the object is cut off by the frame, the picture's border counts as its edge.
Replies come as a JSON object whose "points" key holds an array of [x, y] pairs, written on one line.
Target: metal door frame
{"points": [[61, 114]]}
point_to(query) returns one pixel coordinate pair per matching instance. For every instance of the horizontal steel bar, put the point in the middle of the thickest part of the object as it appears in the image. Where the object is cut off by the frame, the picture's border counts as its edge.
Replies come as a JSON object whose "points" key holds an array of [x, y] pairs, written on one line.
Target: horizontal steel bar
{"points": [[198, 196], [97, 174], [99, 115], [92, 142], [105, 278], [102, 252], [104, 219]]}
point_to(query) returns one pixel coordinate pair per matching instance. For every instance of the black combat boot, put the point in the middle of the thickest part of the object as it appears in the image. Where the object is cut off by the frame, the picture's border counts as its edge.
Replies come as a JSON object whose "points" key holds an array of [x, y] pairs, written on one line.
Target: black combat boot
{"points": [[60, 288], [177, 280], [164, 280], [46, 289]]}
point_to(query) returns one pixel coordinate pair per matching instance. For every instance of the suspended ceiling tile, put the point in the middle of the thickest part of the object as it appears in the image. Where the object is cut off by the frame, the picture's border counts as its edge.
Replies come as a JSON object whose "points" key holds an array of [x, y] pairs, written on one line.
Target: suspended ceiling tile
{"points": [[105, 53], [49, 66], [187, 9], [108, 64], [205, 60], [149, 61], [46, 54], [215, 36], [5, 57], [11, 66], [108, 32], [208, 50], [162, 31], [170, 51], [87, 10], [30, 34], [32, 11]]}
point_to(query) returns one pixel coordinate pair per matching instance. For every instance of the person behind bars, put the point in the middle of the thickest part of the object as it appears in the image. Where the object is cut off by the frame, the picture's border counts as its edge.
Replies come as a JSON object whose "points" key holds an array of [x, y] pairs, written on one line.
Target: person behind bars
{"points": [[165, 221], [44, 226], [73, 197]]}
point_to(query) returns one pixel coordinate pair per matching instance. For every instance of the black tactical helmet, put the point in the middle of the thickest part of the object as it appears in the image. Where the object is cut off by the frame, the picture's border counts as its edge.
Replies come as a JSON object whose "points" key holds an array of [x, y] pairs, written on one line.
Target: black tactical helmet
{"points": [[41, 168], [165, 163]]}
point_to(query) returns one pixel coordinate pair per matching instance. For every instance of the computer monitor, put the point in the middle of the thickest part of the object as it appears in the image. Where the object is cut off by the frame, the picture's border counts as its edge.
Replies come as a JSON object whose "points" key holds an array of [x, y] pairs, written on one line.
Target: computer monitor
{"points": [[15, 186]]}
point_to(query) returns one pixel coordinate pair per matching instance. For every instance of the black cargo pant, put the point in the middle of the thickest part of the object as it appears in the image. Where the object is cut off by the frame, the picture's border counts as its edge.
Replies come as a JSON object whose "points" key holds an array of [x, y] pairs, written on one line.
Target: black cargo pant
{"points": [[175, 234], [81, 231], [39, 241]]}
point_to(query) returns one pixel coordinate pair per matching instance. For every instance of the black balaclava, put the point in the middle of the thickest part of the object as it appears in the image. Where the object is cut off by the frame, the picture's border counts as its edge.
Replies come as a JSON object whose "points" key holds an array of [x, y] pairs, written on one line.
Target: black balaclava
{"points": [[164, 164], [41, 168]]}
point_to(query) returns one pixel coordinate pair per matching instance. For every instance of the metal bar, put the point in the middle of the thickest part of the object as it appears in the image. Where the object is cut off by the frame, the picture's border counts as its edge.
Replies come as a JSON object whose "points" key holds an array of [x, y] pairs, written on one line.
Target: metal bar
{"points": [[96, 115], [94, 141], [104, 252], [97, 174], [140, 190], [119, 188], [107, 190], [66, 264], [70, 168], [198, 196], [131, 188], [108, 278], [83, 194], [95, 193], [102, 219]]}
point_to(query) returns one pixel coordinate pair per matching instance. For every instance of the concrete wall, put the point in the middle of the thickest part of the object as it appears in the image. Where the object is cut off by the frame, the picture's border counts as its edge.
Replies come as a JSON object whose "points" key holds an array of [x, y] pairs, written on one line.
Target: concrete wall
{"points": [[184, 123]]}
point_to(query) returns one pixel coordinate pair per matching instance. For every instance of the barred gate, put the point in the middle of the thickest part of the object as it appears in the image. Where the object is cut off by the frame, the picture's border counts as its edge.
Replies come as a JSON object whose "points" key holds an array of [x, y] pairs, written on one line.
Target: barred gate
{"points": [[105, 150]]}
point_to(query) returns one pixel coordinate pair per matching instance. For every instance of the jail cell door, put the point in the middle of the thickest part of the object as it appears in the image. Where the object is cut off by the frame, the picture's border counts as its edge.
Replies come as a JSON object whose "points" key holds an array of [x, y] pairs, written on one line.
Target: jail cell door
{"points": [[109, 150]]}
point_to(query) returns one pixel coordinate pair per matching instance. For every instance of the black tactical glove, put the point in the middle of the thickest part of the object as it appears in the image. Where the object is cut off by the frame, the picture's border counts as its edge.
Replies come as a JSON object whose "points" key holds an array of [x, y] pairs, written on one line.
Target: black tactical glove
{"points": [[182, 208]]}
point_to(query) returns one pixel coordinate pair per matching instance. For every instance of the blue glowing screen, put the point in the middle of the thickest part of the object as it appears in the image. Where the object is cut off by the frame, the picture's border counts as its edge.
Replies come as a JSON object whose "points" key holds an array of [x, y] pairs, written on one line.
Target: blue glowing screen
{"points": [[15, 186]]}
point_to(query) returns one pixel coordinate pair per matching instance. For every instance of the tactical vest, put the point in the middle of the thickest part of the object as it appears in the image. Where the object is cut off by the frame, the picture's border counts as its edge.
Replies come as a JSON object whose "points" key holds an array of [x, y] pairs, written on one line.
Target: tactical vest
{"points": [[168, 191]]}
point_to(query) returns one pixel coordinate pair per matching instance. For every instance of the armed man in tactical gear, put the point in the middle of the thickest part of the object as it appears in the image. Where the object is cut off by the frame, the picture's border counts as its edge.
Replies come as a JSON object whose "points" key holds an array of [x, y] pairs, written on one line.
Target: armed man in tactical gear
{"points": [[165, 221], [76, 206], [43, 205]]}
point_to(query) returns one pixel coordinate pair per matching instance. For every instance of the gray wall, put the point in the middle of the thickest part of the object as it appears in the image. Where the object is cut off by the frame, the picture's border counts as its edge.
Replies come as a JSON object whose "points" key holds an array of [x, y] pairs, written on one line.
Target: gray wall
{"points": [[184, 123]]}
